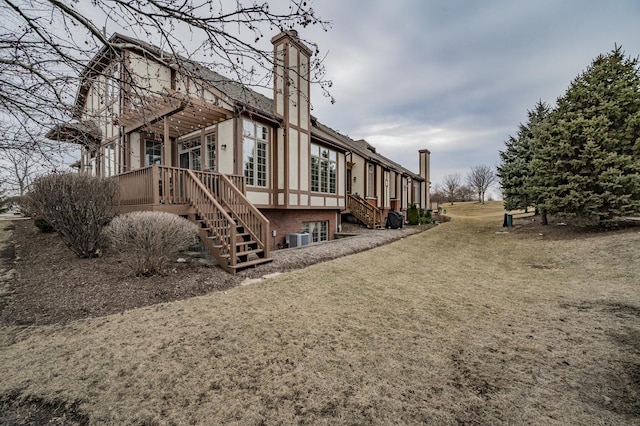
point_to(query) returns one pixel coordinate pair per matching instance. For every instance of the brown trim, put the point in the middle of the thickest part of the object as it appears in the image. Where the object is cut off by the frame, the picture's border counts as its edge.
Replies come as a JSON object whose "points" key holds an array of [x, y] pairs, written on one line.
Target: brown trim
{"points": [[168, 158], [125, 163], [249, 110], [237, 147], [143, 149]]}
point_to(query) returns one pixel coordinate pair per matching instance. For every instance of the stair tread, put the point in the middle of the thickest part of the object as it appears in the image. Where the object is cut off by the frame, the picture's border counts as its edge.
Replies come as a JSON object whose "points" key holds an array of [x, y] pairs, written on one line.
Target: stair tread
{"points": [[246, 252], [242, 243], [251, 263]]}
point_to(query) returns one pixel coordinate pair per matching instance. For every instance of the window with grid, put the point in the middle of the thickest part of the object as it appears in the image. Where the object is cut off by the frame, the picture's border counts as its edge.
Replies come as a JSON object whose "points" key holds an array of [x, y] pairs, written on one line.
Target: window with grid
{"points": [[112, 76], [109, 159], [371, 180], [211, 151], [255, 141], [324, 169], [318, 231], [152, 152]]}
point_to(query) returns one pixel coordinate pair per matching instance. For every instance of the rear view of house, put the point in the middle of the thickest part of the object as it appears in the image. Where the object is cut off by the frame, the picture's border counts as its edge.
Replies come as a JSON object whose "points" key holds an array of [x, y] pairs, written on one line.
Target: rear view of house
{"points": [[255, 173]]}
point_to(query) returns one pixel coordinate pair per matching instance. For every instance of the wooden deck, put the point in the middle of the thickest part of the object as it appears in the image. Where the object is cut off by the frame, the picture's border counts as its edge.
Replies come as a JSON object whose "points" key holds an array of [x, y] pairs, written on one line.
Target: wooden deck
{"points": [[231, 228]]}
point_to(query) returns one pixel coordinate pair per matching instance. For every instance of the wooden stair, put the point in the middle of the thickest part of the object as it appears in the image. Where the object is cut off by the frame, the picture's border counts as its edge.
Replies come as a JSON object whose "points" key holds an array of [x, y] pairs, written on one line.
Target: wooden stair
{"points": [[236, 237], [370, 215]]}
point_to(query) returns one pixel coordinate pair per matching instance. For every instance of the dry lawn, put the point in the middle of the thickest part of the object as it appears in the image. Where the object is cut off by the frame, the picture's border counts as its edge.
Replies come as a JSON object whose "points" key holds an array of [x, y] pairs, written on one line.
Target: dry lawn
{"points": [[456, 325]]}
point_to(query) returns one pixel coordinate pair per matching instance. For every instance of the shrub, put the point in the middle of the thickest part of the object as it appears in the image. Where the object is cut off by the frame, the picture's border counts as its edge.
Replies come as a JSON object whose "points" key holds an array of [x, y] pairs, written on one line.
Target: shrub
{"points": [[417, 216], [413, 215], [149, 239], [76, 206], [42, 224]]}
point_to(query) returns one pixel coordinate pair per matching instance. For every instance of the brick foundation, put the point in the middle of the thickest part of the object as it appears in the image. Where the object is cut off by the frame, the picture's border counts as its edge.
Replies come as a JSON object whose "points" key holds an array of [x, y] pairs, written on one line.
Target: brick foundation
{"points": [[290, 221]]}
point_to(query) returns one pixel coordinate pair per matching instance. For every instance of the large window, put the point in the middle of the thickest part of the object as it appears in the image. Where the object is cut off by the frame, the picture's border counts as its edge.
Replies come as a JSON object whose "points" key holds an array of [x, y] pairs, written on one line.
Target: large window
{"points": [[318, 231], [109, 159], [152, 152], [324, 168], [255, 142], [112, 76], [211, 152], [189, 154], [371, 180]]}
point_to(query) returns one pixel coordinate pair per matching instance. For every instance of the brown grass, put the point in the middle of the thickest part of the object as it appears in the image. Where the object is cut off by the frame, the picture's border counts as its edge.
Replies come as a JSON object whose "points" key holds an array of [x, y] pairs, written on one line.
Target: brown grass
{"points": [[453, 325]]}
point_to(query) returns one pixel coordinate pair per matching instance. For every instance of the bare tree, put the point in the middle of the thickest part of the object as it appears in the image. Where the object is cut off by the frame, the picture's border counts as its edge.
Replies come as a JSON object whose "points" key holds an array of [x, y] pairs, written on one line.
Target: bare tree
{"points": [[46, 45], [23, 158], [437, 195], [450, 185], [480, 178], [465, 193]]}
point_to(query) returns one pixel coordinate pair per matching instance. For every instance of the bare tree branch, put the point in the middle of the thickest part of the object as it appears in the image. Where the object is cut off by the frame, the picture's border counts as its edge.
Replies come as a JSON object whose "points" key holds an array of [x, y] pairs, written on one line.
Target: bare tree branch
{"points": [[47, 45]]}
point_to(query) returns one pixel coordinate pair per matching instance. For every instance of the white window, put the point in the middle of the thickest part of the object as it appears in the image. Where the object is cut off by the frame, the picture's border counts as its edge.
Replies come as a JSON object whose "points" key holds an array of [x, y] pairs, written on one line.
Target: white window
{"points": [[318, 231], [109, 160], [189, 153], [371, 180], [255, 144], [211, 152], [112, 76], [152, 152], [324, 167]]}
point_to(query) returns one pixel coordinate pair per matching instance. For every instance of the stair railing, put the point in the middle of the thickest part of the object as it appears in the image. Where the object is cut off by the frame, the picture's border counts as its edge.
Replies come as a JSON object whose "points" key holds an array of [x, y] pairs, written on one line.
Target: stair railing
{"points": [[217, 220], [368, 214], [245, 213]]}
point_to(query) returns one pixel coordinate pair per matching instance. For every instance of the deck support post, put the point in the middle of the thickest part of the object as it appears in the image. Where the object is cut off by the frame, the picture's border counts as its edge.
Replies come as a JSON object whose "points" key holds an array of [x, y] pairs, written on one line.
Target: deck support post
{"points": [[167, 144], [155, 184]]}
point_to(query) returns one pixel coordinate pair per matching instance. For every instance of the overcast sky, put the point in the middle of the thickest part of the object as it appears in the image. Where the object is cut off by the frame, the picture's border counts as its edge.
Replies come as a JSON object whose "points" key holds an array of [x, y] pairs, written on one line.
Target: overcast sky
{"points": [[453, 76], [456, 77]]}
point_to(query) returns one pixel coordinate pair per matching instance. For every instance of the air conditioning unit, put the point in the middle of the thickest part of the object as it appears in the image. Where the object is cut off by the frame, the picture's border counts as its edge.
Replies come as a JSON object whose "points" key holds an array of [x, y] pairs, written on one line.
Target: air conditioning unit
{"points": [[297, 240]]}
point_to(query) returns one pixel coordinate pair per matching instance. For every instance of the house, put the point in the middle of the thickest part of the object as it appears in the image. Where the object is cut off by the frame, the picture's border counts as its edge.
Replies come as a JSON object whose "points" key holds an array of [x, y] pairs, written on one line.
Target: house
{"points": [[254, 172]]}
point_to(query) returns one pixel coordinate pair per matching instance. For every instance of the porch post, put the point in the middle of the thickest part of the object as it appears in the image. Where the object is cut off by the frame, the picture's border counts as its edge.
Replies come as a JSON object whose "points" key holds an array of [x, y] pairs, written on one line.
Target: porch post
{"points": [[155, 184], [167, 144]]}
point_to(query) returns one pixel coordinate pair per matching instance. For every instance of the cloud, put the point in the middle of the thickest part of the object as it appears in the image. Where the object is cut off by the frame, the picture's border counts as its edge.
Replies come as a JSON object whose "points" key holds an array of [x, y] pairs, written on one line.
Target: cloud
{"points": [[457, 77]]}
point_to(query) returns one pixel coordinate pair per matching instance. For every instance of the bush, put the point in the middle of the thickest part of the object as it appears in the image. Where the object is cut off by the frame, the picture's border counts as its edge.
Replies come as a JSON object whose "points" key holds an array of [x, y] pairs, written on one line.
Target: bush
{"points": [[42, 224], [76, 206], [417, 216], [413, 216], [149, 239]]}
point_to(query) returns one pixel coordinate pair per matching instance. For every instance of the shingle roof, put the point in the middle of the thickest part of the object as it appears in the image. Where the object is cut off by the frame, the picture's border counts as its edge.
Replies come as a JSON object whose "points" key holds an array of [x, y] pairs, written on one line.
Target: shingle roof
{"points": [[362, 147], [247, 96]]}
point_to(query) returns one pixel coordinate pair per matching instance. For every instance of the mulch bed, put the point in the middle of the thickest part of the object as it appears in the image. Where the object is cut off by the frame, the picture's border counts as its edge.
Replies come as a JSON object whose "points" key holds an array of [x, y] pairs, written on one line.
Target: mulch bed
{"points": [[53, 285]]}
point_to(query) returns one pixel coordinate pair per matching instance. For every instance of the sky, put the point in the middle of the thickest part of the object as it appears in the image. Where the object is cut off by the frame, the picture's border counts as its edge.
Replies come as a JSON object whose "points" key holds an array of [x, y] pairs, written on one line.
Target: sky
{"points": [[457, 77], [453, 76]]}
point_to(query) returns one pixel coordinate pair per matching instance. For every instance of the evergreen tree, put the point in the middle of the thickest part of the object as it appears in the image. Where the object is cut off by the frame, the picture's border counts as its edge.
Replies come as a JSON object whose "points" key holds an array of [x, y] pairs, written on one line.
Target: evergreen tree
{"points": [[514, 170], [586, 156]]}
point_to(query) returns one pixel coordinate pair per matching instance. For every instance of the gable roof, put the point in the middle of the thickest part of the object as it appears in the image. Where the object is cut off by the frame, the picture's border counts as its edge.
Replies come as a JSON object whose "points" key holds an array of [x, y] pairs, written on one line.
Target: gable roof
{"points": [[361, 147], [244, 97]]}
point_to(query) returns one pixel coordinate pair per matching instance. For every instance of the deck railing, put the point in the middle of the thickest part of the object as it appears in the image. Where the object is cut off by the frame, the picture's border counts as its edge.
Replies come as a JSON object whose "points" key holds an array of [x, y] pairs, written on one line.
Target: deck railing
{"points": [[365, 212], [218, 199], [138, 187]]}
